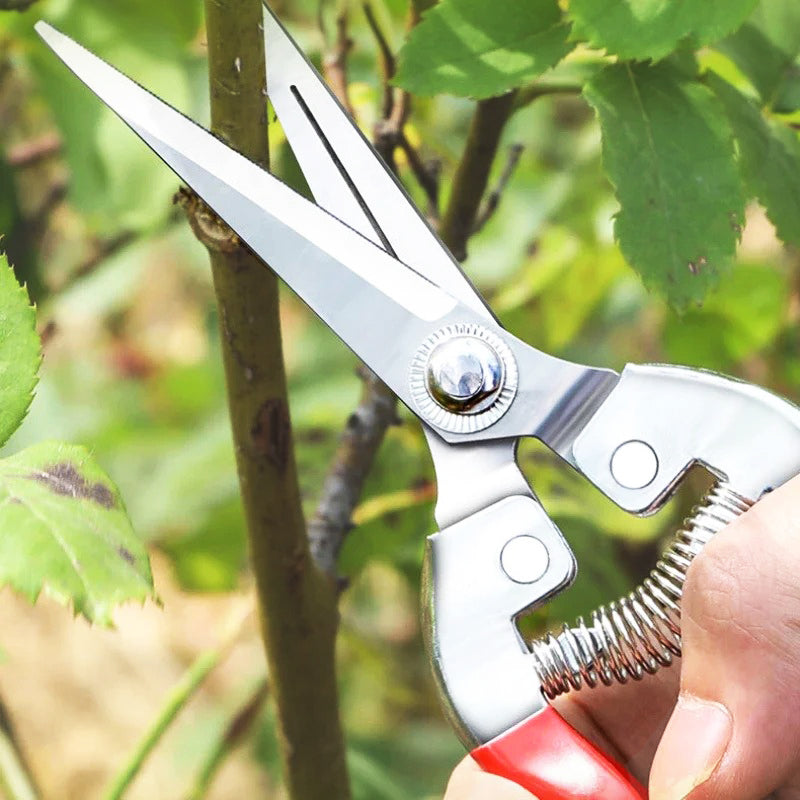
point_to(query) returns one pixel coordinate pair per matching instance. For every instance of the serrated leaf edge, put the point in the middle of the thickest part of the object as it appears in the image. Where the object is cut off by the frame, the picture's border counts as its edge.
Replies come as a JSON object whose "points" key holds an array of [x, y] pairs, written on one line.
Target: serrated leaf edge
{"points": [[99, 613], [23, 290]]}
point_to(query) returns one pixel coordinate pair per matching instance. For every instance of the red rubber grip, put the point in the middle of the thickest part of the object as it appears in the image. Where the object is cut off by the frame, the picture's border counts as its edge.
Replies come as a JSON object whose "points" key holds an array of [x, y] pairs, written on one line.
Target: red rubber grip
{"points": [[547, 756]]}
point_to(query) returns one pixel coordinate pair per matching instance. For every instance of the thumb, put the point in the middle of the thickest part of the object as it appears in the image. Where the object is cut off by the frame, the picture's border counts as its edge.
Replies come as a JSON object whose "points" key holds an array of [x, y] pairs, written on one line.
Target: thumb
{"points": [[735, 730]]}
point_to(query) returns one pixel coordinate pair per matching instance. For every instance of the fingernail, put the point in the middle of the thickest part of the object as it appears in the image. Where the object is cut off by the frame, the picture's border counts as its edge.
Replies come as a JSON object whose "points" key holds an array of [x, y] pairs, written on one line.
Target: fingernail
{"points": [[692, 746]]}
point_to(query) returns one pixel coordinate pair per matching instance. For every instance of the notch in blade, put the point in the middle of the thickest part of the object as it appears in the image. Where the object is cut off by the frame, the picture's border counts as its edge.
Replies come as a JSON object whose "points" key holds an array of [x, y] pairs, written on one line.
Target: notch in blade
{"points": [[344, 171]]}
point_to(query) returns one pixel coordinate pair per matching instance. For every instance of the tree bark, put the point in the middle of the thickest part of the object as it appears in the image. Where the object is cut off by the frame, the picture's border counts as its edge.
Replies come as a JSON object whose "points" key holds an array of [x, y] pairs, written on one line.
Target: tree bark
{"points": [[297, 603]]}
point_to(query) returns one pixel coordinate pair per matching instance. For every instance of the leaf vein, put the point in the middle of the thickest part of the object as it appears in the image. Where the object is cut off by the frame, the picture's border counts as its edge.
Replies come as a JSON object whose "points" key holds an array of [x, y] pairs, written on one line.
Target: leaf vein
{"points": [[73, 559], [662, 194]]}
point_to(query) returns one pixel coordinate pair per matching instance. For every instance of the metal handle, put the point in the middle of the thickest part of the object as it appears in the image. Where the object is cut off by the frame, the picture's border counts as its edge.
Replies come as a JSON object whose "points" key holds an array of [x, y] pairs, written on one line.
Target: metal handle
{"points": [[548, 757], [483, 667], [746, 436]]}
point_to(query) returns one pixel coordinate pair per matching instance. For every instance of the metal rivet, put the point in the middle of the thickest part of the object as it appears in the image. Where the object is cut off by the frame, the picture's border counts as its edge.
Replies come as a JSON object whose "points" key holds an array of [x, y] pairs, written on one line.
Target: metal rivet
{"points": [[463, 378], [464, 374], [524, 559], [634, 465]]}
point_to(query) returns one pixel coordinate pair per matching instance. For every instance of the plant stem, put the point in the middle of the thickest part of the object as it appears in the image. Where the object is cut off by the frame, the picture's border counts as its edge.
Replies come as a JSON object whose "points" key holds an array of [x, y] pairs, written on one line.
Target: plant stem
{"points": [[355, 456], [386, 61], [334, 64], [16, 781], [529, 94], [297, 602], [235, 731], [492, 202], [472, 174], [176, 700]]}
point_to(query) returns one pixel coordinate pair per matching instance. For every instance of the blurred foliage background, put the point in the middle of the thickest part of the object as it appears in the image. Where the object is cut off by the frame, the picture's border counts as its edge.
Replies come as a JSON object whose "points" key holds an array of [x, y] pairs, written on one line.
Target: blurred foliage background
{"points": [[132, 369]]}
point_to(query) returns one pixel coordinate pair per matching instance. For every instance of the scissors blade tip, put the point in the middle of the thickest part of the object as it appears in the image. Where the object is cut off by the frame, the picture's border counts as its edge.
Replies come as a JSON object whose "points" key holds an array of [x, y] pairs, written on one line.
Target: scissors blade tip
{"points": [[53, 37], [46, 31], [67, 49]]}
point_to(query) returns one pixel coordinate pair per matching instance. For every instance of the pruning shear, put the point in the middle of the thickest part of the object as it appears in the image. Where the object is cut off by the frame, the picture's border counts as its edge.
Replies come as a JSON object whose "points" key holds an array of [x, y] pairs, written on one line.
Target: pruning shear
{"points": [[369, 265]]}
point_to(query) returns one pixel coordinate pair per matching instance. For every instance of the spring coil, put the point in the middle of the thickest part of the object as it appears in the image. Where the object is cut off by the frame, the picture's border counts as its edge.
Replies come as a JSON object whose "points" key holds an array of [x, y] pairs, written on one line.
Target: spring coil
{"points": [[640, 633]]}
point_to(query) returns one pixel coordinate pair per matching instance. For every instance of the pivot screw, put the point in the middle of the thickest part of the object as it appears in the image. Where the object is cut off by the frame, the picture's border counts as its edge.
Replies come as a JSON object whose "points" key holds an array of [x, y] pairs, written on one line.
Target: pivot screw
{"points": [[463, 378], [464, 375]]}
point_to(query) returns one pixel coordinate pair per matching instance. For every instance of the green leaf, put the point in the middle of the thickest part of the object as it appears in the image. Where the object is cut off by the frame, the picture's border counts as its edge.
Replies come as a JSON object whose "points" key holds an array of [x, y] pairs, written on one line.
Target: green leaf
{"points": [[20, 353], [737, 322], [64, 531], [479, 49], [567, 304], [651, 29], [668, 150], [765, 48], [769, 157]]}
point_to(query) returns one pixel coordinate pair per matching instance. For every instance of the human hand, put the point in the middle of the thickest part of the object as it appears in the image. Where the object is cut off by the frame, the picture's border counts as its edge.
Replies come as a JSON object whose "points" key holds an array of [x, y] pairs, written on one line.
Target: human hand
{"points": [[734, 733], [469, 782]]}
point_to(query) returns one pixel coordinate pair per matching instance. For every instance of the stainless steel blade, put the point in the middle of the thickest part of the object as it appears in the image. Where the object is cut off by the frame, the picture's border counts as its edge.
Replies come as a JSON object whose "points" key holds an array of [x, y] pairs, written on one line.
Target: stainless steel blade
{"points": [[344, 172], [380, 308], [323, 174]]}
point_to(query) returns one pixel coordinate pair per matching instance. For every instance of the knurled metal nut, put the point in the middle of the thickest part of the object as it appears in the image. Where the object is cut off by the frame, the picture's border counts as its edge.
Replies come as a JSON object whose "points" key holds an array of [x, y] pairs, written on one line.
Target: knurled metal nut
{"points": [[458, 404]]}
